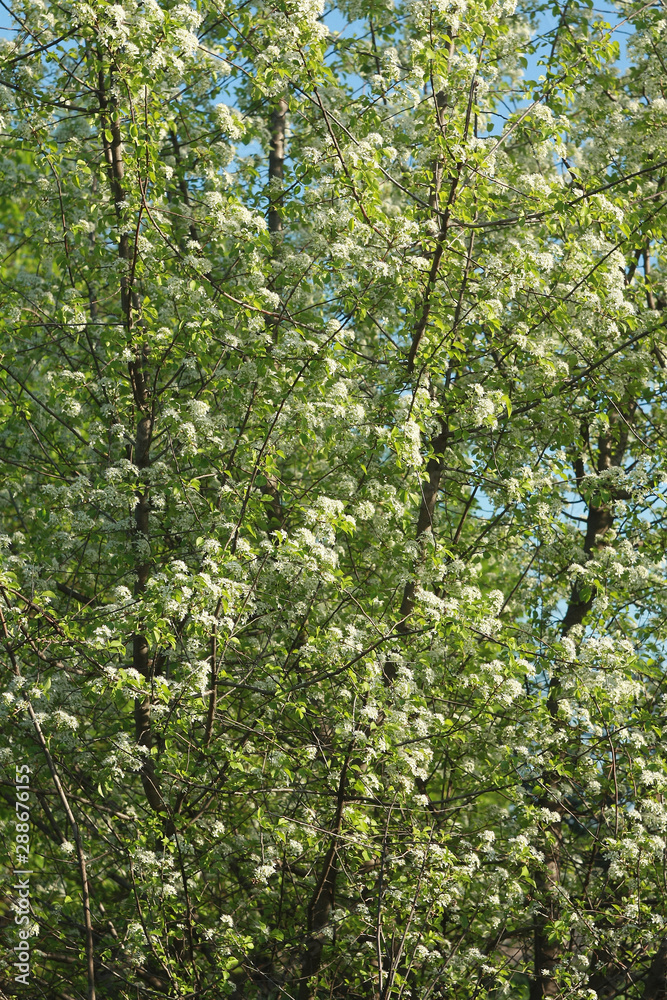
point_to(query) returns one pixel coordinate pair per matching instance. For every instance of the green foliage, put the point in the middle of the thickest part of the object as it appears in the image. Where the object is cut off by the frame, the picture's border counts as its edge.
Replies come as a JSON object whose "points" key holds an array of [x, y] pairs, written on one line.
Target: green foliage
{"points": [[332, 571]]}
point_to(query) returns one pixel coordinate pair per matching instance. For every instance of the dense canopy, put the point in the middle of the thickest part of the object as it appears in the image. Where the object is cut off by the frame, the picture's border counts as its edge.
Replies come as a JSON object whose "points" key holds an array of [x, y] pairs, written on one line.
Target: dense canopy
{"points": [[332, 492]]}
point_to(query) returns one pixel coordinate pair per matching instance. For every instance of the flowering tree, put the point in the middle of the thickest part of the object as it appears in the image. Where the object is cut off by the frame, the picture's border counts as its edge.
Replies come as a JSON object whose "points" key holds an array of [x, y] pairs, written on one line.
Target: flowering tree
{"points": [[333, 415]]}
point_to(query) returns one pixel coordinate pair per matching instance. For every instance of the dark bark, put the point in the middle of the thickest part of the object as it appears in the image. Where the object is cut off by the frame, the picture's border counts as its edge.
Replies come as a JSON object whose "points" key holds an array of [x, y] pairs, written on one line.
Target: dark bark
{"points": [[277, 165], [141, 453], [611, 448], [434, 468], [322, 901], [440, 103], [425, 311], [656, 981], [429, 498]]}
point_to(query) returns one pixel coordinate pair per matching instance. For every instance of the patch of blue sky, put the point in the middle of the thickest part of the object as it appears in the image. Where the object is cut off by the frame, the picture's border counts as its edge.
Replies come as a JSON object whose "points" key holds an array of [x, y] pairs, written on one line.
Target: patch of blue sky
{"points": [[8, 27], [533, 61]]}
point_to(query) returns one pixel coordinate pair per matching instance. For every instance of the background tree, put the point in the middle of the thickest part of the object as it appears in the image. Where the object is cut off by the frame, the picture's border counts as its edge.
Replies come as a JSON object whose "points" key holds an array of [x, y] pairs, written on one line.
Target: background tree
{"points": [[332, 594]]}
